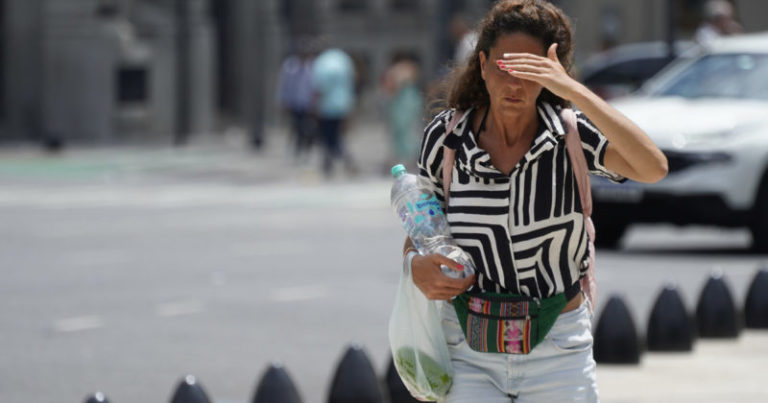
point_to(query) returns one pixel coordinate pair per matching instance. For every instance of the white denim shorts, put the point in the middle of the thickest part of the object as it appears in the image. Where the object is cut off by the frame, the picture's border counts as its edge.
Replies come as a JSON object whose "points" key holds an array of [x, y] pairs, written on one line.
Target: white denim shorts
{"points": [[559, 369]]}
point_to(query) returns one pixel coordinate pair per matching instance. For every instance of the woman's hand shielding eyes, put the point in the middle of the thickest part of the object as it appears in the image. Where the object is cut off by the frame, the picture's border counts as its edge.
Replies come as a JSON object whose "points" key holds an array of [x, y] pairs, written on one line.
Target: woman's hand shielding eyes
{"points": [[546, 71]]}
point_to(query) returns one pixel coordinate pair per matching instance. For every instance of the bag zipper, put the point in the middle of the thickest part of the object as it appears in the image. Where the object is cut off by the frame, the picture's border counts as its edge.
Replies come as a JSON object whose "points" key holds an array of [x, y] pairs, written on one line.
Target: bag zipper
{"points": [[489, 316]]}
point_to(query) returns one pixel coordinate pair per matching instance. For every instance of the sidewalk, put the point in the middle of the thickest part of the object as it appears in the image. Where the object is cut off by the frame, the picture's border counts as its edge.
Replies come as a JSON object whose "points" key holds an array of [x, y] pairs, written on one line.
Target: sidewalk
{"points": [[716, 371], [224, 158]]}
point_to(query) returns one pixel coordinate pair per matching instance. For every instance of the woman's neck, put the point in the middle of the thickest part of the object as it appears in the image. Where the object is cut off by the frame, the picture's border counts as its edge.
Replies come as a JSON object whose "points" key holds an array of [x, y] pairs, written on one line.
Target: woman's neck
{"points": [[510, 128]]}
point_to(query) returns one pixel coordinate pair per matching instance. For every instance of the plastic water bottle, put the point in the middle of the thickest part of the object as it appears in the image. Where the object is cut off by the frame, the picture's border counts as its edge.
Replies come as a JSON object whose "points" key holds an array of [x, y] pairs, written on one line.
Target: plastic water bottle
{"points": [[424, 221]]}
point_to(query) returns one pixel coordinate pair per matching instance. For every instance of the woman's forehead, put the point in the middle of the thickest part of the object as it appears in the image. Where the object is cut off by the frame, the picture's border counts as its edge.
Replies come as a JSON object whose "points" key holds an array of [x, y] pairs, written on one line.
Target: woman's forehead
{"points": [[518, 42]]}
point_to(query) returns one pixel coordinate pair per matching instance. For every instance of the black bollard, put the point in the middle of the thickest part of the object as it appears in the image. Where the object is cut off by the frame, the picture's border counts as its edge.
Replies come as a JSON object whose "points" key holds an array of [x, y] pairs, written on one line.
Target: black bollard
{"points": [[669, 327], [756, 303], [190, 391], [397, 390], [716, 315], [97, 397], [354, 380], [616, 340], [276, 386]]}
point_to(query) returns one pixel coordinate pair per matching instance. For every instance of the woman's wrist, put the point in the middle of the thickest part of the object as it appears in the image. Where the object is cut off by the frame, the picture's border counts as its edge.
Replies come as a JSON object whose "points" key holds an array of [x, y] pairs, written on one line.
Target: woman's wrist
{"points": [[410, 253], [576, 93]]}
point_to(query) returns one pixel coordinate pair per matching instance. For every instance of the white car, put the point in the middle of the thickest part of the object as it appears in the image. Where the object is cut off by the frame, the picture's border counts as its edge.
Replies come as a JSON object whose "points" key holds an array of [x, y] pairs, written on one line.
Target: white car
{"points": [[621, 70], [708, 112]]}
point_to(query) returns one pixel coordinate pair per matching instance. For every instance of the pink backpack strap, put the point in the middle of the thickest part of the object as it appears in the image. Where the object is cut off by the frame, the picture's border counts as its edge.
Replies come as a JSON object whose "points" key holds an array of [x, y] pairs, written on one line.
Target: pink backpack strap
{"points": [[581, 172], [449, 156], [578, 161]]}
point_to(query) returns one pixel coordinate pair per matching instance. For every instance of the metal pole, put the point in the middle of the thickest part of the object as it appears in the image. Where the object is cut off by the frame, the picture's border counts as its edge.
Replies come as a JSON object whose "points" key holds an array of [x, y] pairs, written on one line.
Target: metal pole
{"points": [[182, 72], [256, 57], [672, 10], [445, 11]]}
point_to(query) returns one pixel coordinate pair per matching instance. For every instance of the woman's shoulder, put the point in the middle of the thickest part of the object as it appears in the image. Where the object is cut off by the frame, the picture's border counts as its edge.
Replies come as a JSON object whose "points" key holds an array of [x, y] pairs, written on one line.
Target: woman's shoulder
{"points": [[582, 121], [437, 127], [442, 118], [436, 135], [446, 117]]}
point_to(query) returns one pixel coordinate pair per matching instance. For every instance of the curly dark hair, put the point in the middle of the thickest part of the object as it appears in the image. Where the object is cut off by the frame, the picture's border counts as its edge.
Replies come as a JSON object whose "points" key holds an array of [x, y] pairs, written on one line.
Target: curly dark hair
{"points": [[537, 18]]}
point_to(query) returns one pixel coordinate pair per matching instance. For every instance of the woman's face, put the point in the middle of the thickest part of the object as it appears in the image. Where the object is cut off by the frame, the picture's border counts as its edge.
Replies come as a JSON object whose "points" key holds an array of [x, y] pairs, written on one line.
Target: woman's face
{"points": [[508, 92]]}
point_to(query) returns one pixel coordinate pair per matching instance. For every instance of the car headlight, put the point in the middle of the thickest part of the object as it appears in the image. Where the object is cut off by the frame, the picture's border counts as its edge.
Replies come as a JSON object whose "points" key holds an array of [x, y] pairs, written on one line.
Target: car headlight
{"points": [[679, 161]]}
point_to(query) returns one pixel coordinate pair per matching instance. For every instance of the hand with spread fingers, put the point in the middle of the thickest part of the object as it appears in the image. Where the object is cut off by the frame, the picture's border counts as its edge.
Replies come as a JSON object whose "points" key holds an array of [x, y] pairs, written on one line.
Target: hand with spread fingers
{"points": [[429, 278], [546, 71]]}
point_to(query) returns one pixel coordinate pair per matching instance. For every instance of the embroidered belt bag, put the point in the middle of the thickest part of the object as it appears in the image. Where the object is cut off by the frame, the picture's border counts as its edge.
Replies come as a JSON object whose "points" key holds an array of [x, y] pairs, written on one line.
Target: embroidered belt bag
{"points": [[508, 323]]}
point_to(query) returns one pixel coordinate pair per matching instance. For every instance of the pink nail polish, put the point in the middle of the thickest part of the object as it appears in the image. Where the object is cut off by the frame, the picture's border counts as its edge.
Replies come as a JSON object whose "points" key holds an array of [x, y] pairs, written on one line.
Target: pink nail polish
{"points": [[461, 267]]}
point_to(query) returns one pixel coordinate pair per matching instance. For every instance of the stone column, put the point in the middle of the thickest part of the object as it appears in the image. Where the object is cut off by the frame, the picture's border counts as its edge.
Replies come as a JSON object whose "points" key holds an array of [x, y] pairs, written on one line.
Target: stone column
{"points": [[23, 61], [202, 87], [79, 53]]}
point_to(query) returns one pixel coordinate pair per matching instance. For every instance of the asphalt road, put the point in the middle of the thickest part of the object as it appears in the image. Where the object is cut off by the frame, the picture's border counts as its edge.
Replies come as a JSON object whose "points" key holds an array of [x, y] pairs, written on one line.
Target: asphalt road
{"points": [[124, 281]]}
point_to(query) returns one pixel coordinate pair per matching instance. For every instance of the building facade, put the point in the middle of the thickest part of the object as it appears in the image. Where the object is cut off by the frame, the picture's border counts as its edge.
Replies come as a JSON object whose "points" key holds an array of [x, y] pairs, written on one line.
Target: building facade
{"points": [[110, 71], [106, 71]]}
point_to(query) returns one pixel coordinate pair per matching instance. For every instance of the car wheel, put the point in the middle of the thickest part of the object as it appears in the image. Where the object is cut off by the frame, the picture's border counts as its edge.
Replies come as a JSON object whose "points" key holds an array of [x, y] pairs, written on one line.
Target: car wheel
{"points": [[608, 232], [760, 224]]}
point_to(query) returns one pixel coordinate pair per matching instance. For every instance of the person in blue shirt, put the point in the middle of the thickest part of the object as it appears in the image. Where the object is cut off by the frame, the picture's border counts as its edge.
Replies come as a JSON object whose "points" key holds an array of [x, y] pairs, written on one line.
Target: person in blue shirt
{"points": [[333, 81], [295, 96]]}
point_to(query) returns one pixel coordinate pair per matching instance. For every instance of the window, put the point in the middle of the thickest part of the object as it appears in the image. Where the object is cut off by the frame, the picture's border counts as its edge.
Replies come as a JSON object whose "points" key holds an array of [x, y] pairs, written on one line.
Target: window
{"points": [[352, 5], [132, 85], [740, 76], [633, 72]]}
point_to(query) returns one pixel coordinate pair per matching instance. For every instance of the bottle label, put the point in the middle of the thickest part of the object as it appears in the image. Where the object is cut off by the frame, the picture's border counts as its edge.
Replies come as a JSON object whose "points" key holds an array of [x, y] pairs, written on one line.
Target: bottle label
{"points": [[427, 206]]}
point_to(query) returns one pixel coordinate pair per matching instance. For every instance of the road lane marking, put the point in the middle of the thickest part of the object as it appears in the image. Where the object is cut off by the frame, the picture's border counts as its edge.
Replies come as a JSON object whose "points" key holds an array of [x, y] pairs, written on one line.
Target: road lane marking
{"points": [[299, 293], [218, 278], [77, 324], [179, 308]]}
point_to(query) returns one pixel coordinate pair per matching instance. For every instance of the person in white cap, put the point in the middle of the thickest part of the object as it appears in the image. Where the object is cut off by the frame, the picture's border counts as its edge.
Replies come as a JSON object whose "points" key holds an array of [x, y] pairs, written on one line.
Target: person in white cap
{"points": [[718, 21]]}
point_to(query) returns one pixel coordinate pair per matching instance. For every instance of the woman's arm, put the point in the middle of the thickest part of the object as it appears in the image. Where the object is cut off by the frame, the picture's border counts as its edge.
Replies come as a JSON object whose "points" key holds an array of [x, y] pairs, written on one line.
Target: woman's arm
{"points": [[429, 277], [630, 152]]}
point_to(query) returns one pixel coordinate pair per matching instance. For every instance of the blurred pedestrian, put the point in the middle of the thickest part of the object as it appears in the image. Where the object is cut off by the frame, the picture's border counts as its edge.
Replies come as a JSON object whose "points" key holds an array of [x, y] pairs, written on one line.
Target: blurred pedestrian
{"points": [[464, 37], [404, 109], [295, 97], [718, 21], [523, 332], [333, 81]]}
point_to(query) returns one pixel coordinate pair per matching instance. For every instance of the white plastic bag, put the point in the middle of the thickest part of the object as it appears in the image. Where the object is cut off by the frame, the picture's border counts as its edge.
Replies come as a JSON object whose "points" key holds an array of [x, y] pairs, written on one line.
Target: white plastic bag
{"points": [[417, 342]]}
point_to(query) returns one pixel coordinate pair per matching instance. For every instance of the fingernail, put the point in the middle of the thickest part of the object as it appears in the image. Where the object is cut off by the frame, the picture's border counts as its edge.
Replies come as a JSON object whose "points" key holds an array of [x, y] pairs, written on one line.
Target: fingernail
{"points": [[461, 267]]}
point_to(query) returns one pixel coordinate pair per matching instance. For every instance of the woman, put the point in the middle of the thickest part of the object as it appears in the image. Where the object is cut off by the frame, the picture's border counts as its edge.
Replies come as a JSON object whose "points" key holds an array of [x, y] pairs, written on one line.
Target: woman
{"points": [[515, 209], [404, 106]]}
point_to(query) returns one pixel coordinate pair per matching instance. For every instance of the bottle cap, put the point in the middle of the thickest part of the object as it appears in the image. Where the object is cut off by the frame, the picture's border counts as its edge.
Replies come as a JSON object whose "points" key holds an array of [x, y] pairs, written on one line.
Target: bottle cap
{"points": [[398, 170]]}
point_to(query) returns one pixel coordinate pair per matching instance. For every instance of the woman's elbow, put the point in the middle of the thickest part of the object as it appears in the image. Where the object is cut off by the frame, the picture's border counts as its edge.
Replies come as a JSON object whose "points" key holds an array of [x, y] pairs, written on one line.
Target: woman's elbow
{"points": [[658, 170]]}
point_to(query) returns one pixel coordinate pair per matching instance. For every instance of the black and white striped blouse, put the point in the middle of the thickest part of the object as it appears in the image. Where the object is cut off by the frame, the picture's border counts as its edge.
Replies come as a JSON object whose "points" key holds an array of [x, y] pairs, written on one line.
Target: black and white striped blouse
{"points": [[525, 232]]}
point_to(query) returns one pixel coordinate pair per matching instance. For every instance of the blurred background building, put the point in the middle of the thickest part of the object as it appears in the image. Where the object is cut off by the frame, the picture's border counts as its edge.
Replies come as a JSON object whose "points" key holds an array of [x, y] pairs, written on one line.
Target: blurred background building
{"points": [[114, 71]]}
